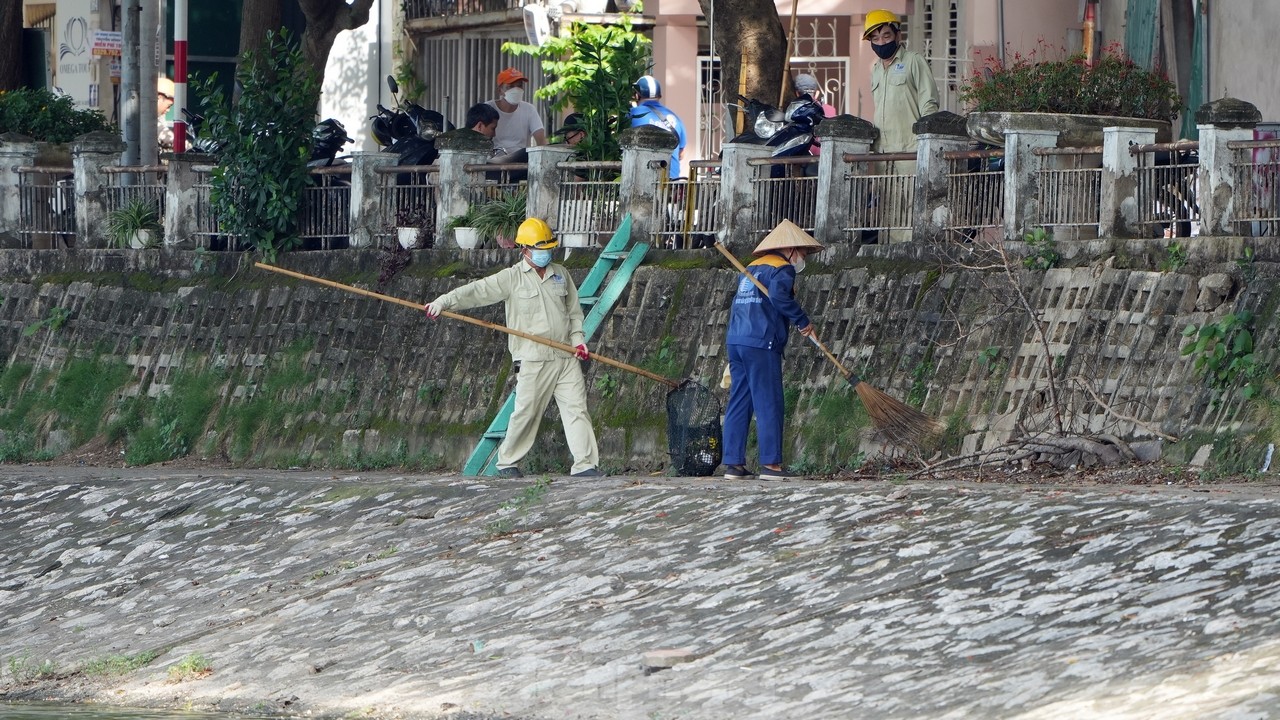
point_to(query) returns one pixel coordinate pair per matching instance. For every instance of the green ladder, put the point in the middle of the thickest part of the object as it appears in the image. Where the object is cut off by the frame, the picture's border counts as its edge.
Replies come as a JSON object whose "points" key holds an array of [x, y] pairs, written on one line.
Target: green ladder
{"points": [[597, 294]]}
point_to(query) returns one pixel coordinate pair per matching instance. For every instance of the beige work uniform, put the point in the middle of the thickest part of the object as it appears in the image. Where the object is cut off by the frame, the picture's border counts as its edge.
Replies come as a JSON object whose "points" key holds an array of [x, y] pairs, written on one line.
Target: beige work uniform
{"points": [[546, 306], [903, 92]]}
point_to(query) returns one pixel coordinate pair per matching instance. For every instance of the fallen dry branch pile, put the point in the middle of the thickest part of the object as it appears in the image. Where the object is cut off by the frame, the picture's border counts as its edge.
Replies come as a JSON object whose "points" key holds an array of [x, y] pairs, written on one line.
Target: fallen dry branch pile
{"points": [[1059, 452]]}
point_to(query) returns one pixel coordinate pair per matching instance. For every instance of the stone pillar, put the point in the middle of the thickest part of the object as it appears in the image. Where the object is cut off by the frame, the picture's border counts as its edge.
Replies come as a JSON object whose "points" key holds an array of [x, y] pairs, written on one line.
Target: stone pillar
{"points": [[737, 198], [544, 181], [181, 198], [1118, 212], [840, 135], [458, 148], [1022, 179], [931, 213], [368, 216], [15, 151], [646, 150], [89, 154], [1220, 122]]}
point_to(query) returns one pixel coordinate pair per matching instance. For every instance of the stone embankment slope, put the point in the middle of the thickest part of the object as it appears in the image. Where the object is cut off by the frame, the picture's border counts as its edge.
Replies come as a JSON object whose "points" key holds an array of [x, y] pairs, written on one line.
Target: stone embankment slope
{"points": [[417, 597]]}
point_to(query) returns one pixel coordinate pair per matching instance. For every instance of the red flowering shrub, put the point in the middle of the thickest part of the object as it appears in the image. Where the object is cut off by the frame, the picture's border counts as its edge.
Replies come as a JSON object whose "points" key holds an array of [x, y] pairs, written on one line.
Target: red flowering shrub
{"points": [[1114, 85]]}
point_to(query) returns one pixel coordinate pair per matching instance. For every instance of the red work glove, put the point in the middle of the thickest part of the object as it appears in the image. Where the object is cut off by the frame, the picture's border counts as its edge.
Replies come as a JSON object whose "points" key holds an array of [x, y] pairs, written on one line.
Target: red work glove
{"points": [[432, 310], [582, 352]]}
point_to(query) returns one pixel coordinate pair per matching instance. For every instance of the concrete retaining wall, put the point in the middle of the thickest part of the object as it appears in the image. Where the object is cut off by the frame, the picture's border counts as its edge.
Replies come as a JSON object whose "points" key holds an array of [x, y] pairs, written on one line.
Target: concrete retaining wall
{"points": [[201, 353]]}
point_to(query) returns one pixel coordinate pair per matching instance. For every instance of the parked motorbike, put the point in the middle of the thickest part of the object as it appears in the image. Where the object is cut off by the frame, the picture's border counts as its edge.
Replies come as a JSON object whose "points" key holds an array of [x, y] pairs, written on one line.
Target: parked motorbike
{"points": [[409, 130], [789, 132], [328, 138]]}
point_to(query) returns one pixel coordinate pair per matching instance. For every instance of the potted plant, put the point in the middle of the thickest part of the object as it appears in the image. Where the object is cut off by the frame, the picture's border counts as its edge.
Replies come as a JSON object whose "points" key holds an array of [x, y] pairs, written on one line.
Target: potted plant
{"points": [[135, 224], [1068, 95], [499, 218], [412, 223], [464, 229]]}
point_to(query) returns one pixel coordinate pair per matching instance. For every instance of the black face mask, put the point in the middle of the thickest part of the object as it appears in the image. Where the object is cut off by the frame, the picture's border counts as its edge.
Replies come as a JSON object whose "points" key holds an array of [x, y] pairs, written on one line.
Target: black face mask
{"points": [[886, 50]]}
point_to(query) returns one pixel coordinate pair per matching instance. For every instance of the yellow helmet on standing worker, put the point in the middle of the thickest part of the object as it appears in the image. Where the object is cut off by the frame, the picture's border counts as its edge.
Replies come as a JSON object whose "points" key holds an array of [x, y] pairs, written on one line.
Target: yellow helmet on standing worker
{"points": [[876, 18], [536, 233]]}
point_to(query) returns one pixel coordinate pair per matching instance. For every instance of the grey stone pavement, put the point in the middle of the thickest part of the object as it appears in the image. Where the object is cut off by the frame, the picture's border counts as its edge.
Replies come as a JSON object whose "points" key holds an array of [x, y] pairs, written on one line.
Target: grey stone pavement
{"points": [[416, 597]]}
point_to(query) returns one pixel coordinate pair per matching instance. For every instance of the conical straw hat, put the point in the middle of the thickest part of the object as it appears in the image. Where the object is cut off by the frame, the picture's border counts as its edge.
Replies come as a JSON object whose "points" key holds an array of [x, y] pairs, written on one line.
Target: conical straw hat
{"points": [[786, 235]]}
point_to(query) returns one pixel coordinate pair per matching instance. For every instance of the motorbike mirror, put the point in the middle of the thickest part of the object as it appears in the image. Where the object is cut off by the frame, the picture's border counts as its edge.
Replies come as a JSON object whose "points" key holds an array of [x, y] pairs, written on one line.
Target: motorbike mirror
{"points": [[391, 83]]}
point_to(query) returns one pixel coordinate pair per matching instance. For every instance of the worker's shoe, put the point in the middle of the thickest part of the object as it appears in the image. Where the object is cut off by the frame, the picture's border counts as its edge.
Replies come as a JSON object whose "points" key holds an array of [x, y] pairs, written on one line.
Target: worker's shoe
{"points": [[737, 472], [589, 472], [783, 474], [510, 472]]}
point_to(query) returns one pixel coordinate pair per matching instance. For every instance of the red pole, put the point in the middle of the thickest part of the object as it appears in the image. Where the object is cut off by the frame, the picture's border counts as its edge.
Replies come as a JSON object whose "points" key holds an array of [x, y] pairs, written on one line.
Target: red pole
{"points": [[180, 74], [1090, 24]]}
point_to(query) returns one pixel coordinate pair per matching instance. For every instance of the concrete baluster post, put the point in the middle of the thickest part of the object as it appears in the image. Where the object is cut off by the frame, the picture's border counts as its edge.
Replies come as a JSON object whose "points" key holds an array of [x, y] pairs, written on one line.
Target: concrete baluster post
{"points": [[15, 151], [1118, 212], [646, 150], [840, 135], [181, 218], [89, 155], [1022, 167], [544, 181], [1221, 122], [737, 194], [458, 148], [370, 214], [931, 211]]}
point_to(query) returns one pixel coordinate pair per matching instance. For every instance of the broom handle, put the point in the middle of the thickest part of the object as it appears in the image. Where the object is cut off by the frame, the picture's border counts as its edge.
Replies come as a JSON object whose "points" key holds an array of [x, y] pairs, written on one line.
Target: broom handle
{"points": [[474, 321], [848, 374]]}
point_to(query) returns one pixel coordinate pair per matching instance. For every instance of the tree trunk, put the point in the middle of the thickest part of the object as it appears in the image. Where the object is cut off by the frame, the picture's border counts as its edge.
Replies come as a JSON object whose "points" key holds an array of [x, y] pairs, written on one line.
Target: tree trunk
{"points": [[10, 45], [325, 19], [750, 41], [256, 19]]}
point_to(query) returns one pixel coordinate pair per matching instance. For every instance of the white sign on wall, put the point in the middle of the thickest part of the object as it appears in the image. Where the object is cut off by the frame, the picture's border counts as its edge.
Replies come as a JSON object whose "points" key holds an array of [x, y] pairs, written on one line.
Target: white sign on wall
{"points": [[73, 40]]}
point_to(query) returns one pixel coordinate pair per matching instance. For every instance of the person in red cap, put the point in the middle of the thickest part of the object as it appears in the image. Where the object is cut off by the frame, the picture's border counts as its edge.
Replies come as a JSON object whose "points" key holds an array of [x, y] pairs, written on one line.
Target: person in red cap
{"points": [[518, 123]]}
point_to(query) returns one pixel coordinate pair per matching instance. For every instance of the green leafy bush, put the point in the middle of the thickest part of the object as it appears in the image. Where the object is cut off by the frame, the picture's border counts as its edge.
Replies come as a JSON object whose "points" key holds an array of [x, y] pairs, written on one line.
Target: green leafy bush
{"points": [[1224, 353], [43, 116], [1114, 85], [594, 67], [258, 184]]}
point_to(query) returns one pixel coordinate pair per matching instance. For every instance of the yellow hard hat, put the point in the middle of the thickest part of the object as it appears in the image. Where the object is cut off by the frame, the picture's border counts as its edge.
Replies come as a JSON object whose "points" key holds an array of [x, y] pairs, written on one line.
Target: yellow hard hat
{"points": [[536, 233], [875, 19]]}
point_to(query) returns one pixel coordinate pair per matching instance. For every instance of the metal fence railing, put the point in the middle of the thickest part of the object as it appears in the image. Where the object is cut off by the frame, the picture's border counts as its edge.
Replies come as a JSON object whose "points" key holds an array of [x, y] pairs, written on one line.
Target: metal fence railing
{"points": [[1070, 184], [46, 207], [686, 212], [324, 221], [589, 205], [784, 188], [881, 192], [1167, 196], [138, 182], [975, 189], [1255, 169], [415, 9], [410, 197]]}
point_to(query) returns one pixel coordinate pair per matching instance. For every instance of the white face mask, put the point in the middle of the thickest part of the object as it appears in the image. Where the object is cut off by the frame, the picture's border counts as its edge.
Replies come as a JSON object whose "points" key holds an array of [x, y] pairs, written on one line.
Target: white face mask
{"points": [[514, 95], [798, 263]]}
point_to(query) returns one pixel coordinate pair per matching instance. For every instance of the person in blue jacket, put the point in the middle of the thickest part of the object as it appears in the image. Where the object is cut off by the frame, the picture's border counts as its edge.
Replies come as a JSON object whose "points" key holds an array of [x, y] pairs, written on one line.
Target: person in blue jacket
{"points": [[758, 328], [649, 111]]}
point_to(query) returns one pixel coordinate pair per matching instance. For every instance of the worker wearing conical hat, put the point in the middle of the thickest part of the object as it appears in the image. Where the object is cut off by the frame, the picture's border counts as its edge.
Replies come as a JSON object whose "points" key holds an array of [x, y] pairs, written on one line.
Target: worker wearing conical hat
{"points": [[758, 327]]}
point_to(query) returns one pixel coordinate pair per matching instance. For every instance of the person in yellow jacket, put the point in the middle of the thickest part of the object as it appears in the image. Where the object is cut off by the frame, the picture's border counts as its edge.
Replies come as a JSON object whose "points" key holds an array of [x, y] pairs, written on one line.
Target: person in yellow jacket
{"points": [[540, 299], [903, 90]]}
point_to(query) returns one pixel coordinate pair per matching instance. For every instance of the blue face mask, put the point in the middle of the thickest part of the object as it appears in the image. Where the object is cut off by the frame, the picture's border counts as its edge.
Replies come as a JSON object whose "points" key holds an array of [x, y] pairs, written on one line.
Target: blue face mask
{"points": [[541, 258]]}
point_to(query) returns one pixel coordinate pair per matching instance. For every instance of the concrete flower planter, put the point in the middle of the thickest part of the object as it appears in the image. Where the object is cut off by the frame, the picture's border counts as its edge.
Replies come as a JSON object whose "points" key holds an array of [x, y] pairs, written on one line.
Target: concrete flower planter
{"points": [[1073, 130]]}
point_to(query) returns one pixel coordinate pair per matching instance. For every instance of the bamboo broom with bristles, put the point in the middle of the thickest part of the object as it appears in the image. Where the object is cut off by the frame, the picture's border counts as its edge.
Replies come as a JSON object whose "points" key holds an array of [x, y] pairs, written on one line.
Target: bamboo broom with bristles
{"points": [[900, 423]]}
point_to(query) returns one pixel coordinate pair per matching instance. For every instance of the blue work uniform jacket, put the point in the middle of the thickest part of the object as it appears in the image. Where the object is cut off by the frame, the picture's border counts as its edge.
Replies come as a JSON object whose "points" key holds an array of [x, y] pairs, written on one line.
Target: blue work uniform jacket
{"points": [[760, 322]]}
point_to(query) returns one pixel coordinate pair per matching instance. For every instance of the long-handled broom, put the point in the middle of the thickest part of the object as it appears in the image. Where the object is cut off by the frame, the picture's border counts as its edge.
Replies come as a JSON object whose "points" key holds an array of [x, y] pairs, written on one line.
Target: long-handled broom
{"points": [[900, 423], [474, 321]]}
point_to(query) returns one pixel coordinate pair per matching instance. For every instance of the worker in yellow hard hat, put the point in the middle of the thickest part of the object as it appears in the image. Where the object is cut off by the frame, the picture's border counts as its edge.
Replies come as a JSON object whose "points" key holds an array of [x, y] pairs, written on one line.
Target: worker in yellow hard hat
{"points": [[540, 299], [902, 89]]}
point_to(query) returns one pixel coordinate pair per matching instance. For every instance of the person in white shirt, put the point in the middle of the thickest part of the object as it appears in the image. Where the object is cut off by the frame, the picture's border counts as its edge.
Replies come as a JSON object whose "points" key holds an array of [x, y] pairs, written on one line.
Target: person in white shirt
{"points": [[518, 124]]}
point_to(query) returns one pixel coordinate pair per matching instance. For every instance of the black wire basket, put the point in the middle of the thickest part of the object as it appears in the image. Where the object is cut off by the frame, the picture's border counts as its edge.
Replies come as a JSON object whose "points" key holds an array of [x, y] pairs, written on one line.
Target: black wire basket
{"points": [[693, 429]]}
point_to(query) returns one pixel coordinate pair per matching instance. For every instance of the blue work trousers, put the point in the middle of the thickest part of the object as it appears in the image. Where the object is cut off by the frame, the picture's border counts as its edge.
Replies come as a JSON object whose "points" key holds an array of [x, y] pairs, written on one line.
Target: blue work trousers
{"points": [[756, 388]]}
